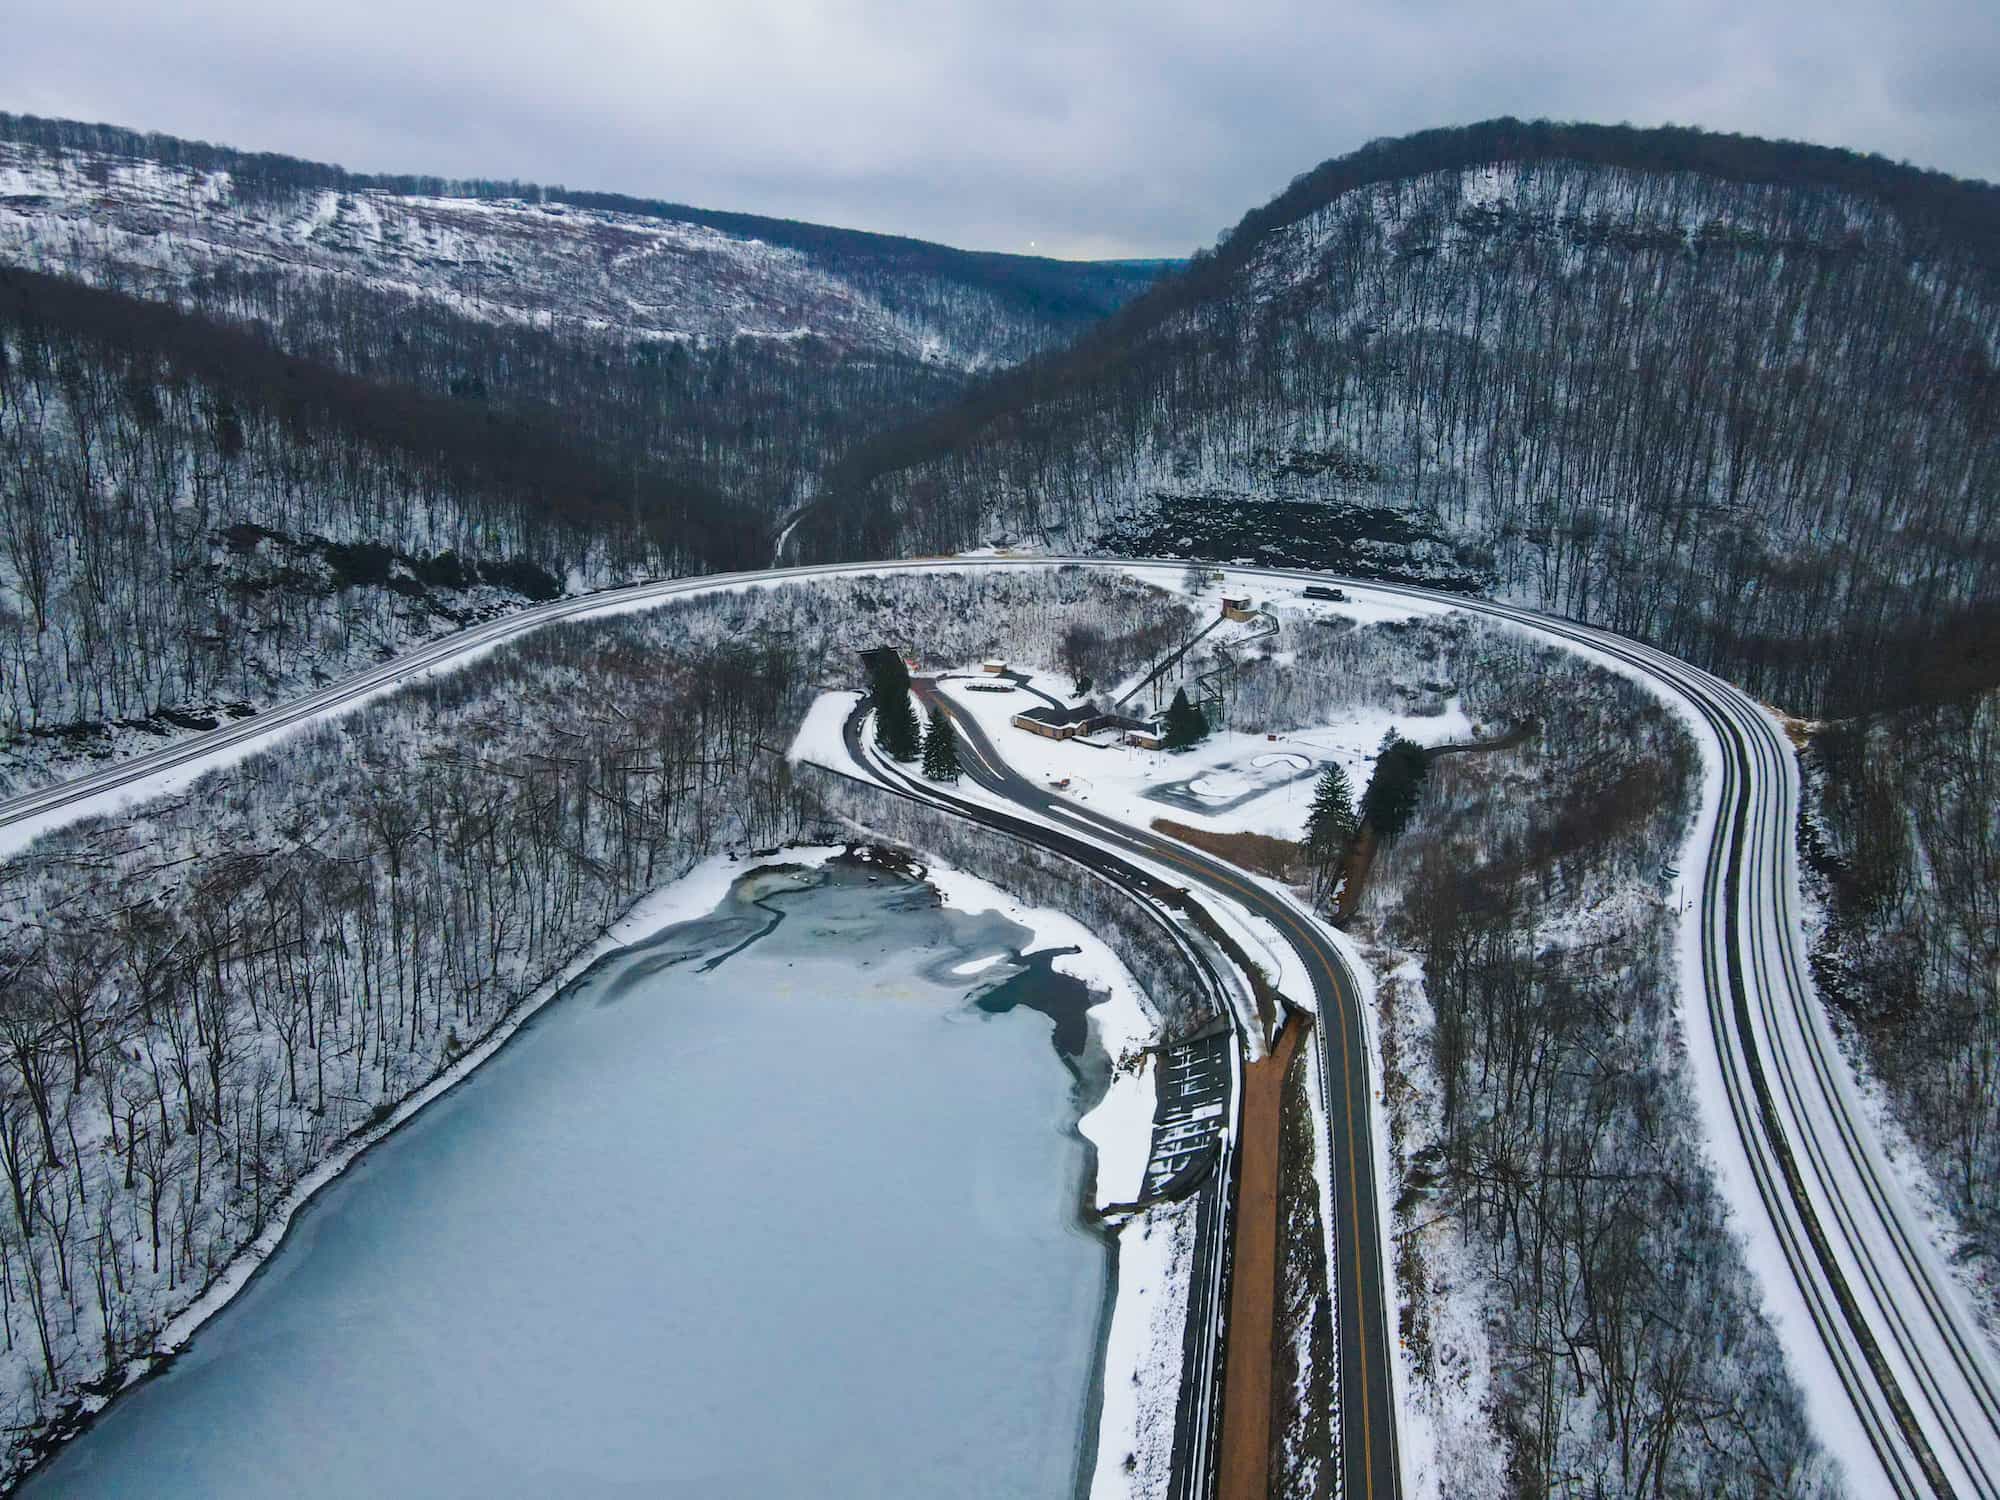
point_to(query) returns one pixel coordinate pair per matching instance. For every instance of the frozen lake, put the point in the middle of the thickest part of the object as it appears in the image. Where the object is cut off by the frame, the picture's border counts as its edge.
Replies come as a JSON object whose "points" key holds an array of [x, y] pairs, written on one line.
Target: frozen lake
{"points": [[770, 1204]]}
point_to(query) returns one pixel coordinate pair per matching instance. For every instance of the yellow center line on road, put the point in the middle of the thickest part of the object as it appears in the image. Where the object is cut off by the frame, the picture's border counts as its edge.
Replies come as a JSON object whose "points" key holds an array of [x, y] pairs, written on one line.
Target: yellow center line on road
{"points": [[1291, 926]]}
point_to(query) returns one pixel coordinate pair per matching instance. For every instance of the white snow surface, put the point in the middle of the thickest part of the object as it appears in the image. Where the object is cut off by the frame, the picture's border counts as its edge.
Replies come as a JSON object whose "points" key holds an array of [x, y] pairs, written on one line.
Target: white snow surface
{"points": [[1142, 1356], [1121, 1128], [819, 741], [638, 277], [1448, 1449], [1227, 765]]}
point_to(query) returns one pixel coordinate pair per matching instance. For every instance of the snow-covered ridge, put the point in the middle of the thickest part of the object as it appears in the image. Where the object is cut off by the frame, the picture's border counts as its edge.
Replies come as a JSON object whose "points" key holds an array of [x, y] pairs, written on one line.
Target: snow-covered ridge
{"points": [[161, 230], [1563, 208], [1612, 393]]}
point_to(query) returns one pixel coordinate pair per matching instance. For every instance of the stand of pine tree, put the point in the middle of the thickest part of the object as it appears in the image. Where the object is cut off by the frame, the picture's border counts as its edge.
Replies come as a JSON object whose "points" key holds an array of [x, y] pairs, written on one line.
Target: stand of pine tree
{"points": [[940, 748]]}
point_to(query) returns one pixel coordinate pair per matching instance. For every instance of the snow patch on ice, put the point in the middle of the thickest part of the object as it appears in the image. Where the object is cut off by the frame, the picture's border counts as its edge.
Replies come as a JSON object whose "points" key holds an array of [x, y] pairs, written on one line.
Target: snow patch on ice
{"points": [[1121, 1128], [973, 967]]}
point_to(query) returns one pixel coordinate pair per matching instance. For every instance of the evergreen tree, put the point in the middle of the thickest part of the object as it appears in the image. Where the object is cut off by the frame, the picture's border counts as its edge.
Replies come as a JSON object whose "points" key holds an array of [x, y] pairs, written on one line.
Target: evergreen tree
{"points": [[895, 716], [941, 748], [1330, 824], [1185, 723], [1392, 792]]}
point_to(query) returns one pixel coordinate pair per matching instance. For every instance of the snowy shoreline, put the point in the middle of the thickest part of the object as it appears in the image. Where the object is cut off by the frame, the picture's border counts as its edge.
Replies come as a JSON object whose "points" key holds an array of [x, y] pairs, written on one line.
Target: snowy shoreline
{"points": [[690, 896], [1116, 1015], [1139, 1336]]}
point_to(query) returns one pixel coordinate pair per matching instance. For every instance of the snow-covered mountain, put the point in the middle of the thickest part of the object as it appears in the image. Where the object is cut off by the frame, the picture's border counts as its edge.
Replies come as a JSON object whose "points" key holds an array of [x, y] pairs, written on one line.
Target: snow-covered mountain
{"points": [[180, 233], [263, 420], [1732, 396], [161, 216], [737, 351]]}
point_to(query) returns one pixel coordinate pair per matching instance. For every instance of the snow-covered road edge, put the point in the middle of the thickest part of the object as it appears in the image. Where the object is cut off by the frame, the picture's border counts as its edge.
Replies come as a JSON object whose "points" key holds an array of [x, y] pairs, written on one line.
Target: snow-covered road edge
{"points": [[1779, 1296]]}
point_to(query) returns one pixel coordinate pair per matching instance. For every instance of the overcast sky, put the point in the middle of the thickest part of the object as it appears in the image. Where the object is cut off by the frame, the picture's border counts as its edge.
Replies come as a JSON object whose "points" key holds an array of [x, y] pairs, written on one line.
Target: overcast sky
{"points": [[1074, 128]]}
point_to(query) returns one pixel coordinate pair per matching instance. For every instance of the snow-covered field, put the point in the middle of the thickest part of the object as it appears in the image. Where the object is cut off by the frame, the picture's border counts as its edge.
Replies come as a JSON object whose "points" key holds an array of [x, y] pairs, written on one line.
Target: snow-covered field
{"points": [[1142, 1366], [1251, 782]]}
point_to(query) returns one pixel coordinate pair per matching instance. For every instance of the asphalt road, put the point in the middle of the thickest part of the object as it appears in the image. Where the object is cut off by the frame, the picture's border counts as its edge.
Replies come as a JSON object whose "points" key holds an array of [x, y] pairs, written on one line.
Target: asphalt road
{"points": [[1866, 1304], [1369, 1460], [1198, 1412]]}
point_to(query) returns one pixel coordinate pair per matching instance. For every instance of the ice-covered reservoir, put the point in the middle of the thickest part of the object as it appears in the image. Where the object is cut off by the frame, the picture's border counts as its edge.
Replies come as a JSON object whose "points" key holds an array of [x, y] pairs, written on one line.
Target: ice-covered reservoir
{"points": [[769, 1204]]}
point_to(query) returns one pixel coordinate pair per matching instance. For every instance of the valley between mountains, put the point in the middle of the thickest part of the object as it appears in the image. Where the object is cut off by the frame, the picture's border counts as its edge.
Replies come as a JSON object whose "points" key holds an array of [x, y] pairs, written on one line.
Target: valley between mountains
{"points": [[1361, 865]]}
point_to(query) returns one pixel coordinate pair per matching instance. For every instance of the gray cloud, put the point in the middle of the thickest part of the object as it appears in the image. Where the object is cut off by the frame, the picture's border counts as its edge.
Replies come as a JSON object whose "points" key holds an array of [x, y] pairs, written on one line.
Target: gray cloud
{"points": [[1115, 128]]}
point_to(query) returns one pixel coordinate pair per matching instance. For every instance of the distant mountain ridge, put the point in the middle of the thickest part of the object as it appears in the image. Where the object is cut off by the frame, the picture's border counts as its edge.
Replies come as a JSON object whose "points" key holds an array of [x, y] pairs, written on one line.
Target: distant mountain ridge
{"points": [[1030, 289], [263, 420], [728, 351], [1733, 396]]}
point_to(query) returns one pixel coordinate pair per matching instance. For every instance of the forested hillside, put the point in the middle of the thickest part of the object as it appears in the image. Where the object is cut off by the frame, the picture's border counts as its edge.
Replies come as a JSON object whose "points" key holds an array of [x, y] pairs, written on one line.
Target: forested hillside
{"points": [[192, 523], [739, 350], [206, 995], [1734, 397], [264, 420], [1905, 838], [1578, 1308]]}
